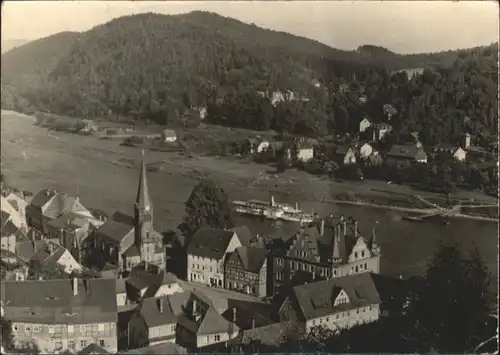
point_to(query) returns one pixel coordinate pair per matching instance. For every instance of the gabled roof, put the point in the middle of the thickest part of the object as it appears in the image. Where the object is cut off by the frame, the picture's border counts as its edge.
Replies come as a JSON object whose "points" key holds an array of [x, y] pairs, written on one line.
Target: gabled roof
{"points": [[252, 258], [114, 230], [210, 243], [69, 220], [8, 229], [343, 149], [53, 302], [382, 125], [62, 204], [42, 198], [244, 234], [157, 311], [317, 299], [4, 218]]}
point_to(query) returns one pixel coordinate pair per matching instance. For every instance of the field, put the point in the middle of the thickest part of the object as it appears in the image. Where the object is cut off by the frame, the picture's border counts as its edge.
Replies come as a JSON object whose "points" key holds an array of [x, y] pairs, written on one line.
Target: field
{"points": [[104, 175]]}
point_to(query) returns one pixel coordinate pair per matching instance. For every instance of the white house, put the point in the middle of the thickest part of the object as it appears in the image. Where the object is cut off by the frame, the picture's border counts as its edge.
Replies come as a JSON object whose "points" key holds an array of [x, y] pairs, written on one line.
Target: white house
{"points": [[206, 254], [345, 154], [54, 254], [15, 206], [304, 150], [335, 304], [169, 136], [365, 150], [457, 153], [364, 124]]}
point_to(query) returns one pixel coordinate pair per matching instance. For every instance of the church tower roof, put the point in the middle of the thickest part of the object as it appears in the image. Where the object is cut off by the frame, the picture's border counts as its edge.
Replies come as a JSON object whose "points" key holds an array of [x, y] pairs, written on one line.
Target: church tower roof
{"points": [[143, 198]]}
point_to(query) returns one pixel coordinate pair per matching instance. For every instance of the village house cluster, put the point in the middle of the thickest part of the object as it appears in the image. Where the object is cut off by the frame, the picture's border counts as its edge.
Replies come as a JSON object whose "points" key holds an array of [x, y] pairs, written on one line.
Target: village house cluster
{"points": [[228, 286]]}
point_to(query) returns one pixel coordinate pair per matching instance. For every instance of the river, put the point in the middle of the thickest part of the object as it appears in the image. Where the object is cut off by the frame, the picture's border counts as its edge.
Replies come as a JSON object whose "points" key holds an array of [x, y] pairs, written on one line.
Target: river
{"points": [[34, 159]]}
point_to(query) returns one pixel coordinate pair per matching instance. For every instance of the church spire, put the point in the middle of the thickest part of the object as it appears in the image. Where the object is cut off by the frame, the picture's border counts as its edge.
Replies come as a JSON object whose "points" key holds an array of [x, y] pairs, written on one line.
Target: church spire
{"points": [[143, 199], [374, 245]]}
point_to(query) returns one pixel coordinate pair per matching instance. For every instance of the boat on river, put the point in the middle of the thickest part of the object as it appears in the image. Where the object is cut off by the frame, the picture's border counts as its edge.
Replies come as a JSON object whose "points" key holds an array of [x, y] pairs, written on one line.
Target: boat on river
{"points": [[272, 210]]}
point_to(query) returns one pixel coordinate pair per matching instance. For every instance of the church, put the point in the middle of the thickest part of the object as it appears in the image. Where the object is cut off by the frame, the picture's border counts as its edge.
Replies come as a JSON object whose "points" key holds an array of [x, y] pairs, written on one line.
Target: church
{"points": [[125, 241]]}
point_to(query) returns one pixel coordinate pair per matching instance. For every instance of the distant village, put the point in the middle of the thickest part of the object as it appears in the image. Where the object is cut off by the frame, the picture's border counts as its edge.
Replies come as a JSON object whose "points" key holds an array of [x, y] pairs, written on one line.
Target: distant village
{"points": [[126, 288]]}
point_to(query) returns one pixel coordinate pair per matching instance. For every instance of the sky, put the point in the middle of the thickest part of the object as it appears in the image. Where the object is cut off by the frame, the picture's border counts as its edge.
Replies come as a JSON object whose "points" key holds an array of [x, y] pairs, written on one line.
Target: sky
{"points": [[401, 26]]}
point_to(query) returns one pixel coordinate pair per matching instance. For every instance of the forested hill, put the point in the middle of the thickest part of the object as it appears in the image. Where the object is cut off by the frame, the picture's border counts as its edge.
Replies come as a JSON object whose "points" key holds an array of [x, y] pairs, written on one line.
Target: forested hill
{"points": [[154, 66]]}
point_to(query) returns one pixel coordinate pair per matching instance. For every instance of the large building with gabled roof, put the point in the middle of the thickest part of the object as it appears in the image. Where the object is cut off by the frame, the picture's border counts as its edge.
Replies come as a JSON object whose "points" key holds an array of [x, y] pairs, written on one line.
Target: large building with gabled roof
{"points": [[126, 241], [328, 248]]}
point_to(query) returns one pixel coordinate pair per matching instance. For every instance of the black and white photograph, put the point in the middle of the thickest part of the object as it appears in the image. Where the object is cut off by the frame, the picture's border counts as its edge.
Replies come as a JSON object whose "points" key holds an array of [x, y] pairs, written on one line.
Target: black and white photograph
{"points": [[245, 177]]}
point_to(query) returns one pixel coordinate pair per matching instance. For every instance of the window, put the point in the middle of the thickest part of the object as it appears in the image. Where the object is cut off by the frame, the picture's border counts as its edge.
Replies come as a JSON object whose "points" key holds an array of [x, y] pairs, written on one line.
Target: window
{"points": [[83, 343], [71, 344], [101, 327], [27, 328], [217, 338], [365, 266], [327, 319], [51, 329], [36, 328], [356, 254], [172, 328], [83, 329], [102, 343], [208, 339], [334, 272], [362, 253]]}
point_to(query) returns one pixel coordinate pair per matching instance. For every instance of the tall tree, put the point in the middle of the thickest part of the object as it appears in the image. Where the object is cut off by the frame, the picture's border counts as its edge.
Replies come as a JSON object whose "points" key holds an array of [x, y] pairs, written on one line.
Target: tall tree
{"points": [[449, 312], [207, 206]]}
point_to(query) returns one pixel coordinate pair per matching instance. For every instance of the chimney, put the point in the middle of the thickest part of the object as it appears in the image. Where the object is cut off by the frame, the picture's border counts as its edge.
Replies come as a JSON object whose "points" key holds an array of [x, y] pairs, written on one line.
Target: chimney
{"points": [[322, 231], [253, 323], [355, 228], [344, 222], [75, 286], [194, 308], [160, 305], [234, 315]]}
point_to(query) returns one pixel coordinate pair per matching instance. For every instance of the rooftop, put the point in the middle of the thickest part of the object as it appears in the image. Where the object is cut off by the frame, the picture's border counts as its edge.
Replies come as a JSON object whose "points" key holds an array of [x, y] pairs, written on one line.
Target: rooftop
{"points": [[54, 301], [210, 242]]}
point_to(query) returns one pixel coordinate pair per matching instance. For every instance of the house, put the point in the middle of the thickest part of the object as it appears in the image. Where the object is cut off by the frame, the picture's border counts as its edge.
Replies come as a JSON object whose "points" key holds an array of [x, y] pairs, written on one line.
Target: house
{"points": [[169, 136], [246, 270], [71, 230], [201, 325], [345, 155], [457, 153], [409, 153], [304, 150], [206, 254], [329, 248], [379, 130], [365, 150], [257, 145], [335, 304], [15, 205], [244, 235], [49, 204], [145, 281], [364, 124], [152, 323], [126, 241], [53, 254], [8, 231], [60, 315]]}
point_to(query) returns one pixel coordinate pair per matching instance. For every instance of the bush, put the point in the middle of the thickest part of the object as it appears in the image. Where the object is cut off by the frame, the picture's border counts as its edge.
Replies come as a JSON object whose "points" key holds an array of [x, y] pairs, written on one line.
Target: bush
{"points": [[133, 141]]}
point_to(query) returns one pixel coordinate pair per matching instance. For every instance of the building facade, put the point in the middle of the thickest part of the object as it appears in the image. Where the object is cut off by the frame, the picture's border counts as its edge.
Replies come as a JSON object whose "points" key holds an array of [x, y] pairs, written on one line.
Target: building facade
{"points": [[206, 254], [62, 315], [328, 249], [334, 304], [246, 271]]}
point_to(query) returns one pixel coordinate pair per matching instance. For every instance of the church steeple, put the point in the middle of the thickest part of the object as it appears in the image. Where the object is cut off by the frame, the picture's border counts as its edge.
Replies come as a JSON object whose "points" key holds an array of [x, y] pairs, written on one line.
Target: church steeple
{"points": [[144, 230], [143, 199], [374, 245]]}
